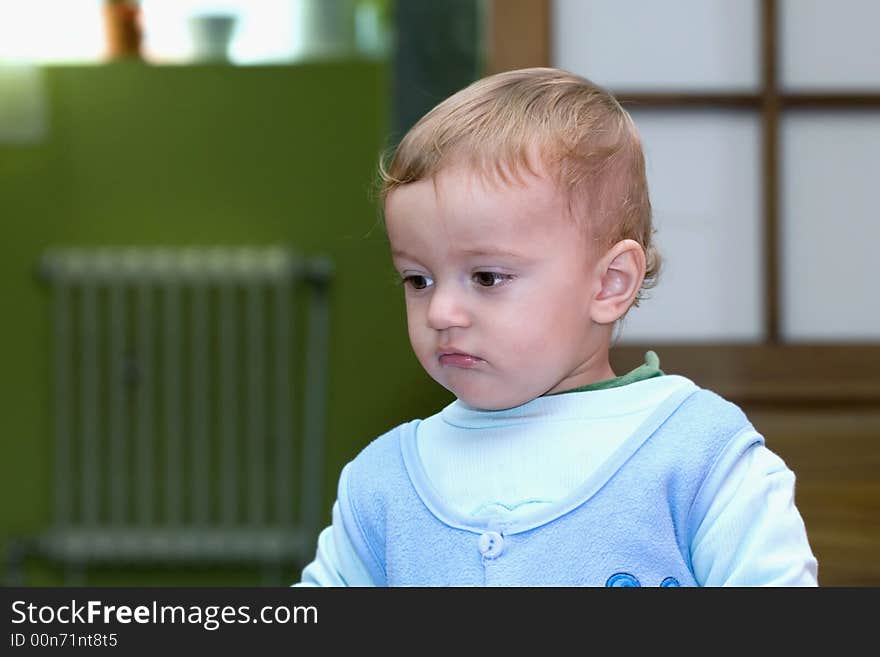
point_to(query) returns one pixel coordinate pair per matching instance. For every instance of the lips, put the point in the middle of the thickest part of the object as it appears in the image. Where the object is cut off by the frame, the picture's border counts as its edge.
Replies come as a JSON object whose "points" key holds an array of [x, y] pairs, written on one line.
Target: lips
{"points": [[458, 359]]}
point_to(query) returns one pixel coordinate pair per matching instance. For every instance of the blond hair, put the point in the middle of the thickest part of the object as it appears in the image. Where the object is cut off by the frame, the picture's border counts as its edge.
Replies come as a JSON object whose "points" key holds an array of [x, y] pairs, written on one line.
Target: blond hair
{"points": [[541, 119]]}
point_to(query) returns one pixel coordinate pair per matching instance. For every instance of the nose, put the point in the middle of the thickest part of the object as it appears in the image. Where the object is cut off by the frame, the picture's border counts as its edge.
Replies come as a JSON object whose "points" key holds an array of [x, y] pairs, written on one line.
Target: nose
{"points": [[446, 309]]}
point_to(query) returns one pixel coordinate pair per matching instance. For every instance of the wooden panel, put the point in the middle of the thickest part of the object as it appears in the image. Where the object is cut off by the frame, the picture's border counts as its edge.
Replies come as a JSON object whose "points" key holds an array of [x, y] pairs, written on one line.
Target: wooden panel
{"points": [[810, 375], [835, 455]]}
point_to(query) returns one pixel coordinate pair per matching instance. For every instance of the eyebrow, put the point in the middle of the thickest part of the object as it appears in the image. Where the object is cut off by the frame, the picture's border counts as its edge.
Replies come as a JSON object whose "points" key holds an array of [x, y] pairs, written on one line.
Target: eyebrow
{"points": [[493, 251], [483, 251]]}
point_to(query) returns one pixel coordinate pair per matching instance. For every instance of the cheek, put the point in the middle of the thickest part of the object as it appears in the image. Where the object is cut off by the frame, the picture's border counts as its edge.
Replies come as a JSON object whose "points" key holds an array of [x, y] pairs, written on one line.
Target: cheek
{"points": [[542, 322], [412, 325], [411, 310], [524, 330], [416, 328], [539, 300]]}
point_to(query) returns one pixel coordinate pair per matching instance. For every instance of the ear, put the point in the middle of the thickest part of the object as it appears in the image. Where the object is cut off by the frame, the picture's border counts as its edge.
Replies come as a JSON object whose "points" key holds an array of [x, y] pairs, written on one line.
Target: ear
{"points": [[621, 271]]}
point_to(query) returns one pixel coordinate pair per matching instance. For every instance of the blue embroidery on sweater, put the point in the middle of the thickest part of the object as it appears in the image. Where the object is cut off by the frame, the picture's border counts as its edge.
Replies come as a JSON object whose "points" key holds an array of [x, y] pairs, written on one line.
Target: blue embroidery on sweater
{"points": [[622, 579], [483, 508], [625, 579]]}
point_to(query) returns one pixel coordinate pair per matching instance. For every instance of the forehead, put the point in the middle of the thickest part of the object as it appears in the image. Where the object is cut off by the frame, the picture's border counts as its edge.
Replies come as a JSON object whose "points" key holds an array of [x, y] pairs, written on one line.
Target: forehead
{"points": [[461, 205]]}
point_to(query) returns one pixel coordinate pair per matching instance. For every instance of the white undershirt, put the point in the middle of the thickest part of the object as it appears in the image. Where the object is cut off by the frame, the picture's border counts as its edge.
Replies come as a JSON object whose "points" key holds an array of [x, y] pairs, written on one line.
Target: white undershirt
{"points": [[497, 466]]}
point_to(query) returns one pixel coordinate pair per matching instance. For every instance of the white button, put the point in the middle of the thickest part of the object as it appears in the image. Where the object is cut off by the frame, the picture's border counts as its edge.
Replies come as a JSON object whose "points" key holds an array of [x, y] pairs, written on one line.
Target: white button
{"points": [[491, 544]]}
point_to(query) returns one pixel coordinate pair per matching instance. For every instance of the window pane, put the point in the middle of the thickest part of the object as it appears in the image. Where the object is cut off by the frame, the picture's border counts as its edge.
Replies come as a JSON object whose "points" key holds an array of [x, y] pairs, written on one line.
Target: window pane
{"points": [[830, 44], [264, 31], [51, 31], [638, 45], [260, 30], [706, 194], [830, 226]]}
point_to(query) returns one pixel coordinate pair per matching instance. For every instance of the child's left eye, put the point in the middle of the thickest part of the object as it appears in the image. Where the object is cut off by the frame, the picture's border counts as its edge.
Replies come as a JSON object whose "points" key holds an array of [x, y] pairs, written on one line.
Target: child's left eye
{"points": [[490, 278]]}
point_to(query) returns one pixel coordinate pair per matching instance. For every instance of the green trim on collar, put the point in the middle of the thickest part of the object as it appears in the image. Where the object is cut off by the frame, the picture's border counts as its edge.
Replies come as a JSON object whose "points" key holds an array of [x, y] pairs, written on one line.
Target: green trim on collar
{"points": [[648, 370]]}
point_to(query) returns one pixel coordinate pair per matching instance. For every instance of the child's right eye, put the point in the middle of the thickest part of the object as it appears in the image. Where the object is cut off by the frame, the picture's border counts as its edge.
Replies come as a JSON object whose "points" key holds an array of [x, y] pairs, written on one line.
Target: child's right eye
{"points": [[418, 282]]}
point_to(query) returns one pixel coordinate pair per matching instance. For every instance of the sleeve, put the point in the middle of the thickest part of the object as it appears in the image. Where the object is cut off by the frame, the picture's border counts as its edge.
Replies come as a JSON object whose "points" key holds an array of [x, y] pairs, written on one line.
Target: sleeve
{"points": [[752, 533], [337, 562]]}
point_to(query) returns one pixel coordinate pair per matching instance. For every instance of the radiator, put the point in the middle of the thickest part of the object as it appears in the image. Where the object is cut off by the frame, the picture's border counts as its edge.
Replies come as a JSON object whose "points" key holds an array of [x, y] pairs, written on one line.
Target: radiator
{"points": [[189, 395]]}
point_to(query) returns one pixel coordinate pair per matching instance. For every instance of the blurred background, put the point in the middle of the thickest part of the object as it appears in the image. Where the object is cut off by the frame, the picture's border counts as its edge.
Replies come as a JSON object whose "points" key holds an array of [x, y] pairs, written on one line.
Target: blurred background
{"points": [[203, 325]]}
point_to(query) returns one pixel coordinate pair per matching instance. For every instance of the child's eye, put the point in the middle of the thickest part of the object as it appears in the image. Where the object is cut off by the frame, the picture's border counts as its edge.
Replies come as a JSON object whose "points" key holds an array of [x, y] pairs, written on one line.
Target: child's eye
{"points": [[418, 282], [490, 278]]}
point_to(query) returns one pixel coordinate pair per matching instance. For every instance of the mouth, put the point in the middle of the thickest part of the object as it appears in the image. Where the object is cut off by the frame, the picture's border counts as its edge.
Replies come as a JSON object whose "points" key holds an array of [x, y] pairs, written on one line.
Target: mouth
{"points": [[458, 359]]}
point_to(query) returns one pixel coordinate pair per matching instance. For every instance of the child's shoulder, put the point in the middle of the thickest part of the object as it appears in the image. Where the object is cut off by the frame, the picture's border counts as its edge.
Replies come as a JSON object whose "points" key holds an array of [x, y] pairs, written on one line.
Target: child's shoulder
{"points": [[716, 431], [377, 474], [682, 410], [677, 397], [383, 451], [707, 406]]}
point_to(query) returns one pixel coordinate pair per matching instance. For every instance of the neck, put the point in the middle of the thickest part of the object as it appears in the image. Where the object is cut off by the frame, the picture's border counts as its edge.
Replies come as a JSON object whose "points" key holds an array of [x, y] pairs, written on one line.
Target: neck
{"points": [[594, 369]]}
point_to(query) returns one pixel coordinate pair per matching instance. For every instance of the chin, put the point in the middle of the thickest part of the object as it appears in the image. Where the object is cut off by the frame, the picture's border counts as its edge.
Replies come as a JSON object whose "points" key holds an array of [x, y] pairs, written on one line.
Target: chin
{"points": [[471, 398], [479, 393], [488, 402]]}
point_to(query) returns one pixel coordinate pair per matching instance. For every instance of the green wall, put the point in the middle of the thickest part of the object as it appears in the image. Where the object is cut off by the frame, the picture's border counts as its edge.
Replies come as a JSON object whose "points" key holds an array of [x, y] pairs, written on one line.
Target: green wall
{"points": [[138, 154]]}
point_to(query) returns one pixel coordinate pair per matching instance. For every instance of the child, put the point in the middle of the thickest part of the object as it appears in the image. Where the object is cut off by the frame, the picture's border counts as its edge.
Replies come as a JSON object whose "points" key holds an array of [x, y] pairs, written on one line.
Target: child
{"points": [[519, 220]]}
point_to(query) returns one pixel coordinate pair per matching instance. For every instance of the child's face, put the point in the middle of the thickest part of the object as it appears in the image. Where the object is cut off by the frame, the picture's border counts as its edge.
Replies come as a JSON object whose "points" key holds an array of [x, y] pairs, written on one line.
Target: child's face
{"points": [[499, 285]]}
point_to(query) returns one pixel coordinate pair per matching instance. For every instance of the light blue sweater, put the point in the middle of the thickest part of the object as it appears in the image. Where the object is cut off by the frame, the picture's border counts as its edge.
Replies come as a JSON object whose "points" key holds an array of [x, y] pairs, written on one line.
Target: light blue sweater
{"points": [[527, 461], [631, 522]]}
